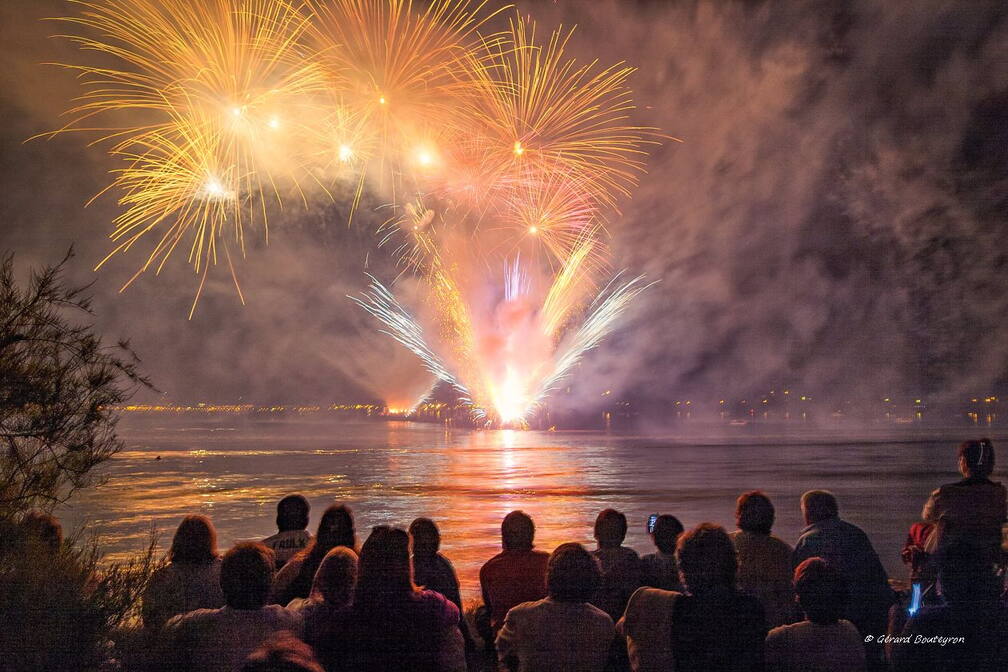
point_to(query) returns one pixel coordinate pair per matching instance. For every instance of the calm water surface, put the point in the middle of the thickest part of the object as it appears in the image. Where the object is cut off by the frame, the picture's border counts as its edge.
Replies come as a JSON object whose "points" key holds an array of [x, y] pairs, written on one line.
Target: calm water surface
{"points": [[235, 470]]}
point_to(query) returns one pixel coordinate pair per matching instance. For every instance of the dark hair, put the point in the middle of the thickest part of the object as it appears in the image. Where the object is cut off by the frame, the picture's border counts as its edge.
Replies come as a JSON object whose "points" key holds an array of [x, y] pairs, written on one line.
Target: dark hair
{"points": [[426, 536], [666, 530], [246, 574], [195, 541], [384, 571], [43, 528], [610, 527], [706, 558], [572, 575], [517, 531], [754, 512], [336, 577], [819, 505], [292, 513], [336, 528], [978, 456], [282, 652], [821, 590]]}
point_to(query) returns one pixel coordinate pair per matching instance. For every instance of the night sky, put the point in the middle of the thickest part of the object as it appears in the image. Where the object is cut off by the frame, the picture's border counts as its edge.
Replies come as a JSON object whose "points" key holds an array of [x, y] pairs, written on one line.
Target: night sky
{"points": [[834, 219]]}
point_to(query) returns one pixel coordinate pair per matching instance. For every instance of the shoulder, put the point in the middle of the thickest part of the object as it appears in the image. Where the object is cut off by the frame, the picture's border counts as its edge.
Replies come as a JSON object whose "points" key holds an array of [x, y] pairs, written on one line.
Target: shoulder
{"points": [[848, 629], [443, 608], [193, 619], [779, 544], [280, 615], [491, 564], [782, 633]]}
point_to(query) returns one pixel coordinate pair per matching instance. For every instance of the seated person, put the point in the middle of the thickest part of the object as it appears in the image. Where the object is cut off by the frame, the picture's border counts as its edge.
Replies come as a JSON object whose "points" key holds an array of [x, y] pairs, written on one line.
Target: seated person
{"points": [[282, 653], [562, 632], [621, 570], [764, 560], [659, 569], [823, 642], [327, 612], [221, 639], [517, 574], [292, 534]]}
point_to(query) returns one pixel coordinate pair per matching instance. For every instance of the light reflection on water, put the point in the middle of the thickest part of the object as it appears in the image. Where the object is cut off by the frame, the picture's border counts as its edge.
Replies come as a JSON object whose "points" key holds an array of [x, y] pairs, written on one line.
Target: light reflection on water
{"points": [[467, 481]]}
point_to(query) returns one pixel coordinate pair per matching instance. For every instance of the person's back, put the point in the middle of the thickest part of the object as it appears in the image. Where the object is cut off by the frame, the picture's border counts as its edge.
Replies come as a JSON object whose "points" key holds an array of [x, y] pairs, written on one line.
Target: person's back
{"points": [[327, 613], [515, 575], [561, 632], [764, 560], [292, 536], [823, 642], [620, 566], [659, 569], [647, 626]]}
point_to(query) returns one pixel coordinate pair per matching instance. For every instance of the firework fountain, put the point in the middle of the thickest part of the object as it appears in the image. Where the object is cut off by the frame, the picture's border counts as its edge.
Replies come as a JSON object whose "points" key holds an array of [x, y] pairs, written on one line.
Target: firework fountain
{"points": [[502, 158]]}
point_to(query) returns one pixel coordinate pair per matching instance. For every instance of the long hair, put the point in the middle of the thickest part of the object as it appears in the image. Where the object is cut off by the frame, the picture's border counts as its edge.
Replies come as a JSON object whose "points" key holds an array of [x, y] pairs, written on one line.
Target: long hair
{"points": [[335, 529], [384, 571], [195, 541]]}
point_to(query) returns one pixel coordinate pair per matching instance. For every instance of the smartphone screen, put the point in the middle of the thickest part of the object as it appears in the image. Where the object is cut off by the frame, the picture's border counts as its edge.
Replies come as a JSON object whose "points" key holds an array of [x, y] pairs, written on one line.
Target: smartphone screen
{"points": [[652, 519]]}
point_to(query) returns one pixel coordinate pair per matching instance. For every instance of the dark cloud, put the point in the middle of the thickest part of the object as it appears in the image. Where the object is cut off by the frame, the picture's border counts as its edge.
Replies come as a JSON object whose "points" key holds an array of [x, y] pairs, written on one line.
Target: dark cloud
{"points": [[834, 217]]}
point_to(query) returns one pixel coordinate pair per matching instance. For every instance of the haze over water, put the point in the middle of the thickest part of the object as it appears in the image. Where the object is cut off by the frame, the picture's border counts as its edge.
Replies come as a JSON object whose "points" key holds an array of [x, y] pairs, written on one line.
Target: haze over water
{"points": [[234, 470]]}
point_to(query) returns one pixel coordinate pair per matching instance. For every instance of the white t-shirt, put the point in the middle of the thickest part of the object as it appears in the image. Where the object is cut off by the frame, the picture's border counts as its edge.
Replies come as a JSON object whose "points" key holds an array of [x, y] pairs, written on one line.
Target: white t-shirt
{"points": [[551, 636], [807, 647], [287, 544]]}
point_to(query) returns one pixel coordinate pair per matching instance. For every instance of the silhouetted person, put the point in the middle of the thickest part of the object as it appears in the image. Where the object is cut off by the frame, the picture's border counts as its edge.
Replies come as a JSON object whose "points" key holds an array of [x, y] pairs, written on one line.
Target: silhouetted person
{"points": [[336, 528], [659, 569], [433, 571], [190, 580], [221, 639], [972, 510], [515, 575], [399, 626], [327, 614], [620, 566], [764, 560], [715, 627], [971, 588], [824, 641], [292, 535], [562, 632], [847, 547], [42, 529], [283, 653]]}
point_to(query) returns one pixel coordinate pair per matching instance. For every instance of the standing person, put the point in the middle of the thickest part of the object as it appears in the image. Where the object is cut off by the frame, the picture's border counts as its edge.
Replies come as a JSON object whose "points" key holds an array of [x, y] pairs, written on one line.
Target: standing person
{"points": [[517, 574], [621, 570], [715, 627], [970, 511], [824, 641], [327, 612], [764, 560], [397, 625], [221, 639], [659, 569], [562, 632], [295, 579], [190, 580], [292, 535], [847, 547]]}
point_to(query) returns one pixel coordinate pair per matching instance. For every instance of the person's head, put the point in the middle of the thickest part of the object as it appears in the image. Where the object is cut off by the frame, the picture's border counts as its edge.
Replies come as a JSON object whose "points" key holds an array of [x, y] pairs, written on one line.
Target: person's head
{"points": [[384, 568], [666, 531], [976, 458], [426, 537], [754, 512], [336, 577], [572, 575], [43, 528], [195, 541], [517, 531], [246, 574], [819, 505], [610, 528], [820, 590], [282, 652], [967, 573], [292, 513], [706, 558], [336, 528]]}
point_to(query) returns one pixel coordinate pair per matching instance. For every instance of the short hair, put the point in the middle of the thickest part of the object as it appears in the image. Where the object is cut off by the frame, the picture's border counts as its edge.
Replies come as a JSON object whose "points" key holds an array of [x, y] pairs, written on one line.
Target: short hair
{"points": [[246, 575], [572, 575], [517, 531], [282, 652], [336, 577], [43, 528], [610, 527], [706, 557], [292, 513], [819, 505], [754, 512], [426, 536], [666, 531], [195, 541], [979, 456], [822, 591]]}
